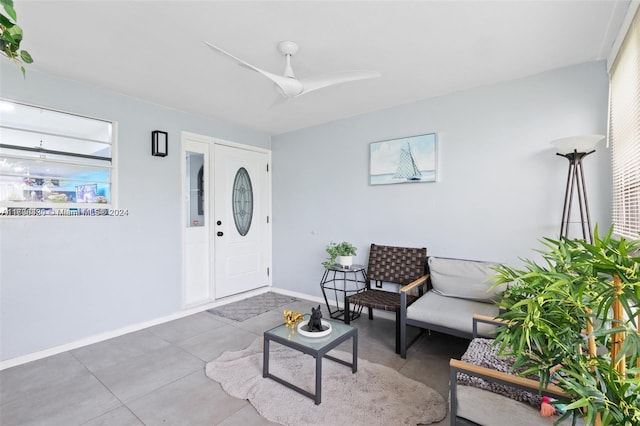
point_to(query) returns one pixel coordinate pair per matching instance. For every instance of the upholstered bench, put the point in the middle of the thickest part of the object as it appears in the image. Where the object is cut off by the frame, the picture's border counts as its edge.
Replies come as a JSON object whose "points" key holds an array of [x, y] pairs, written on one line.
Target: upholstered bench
{"points": [[485, 391]]}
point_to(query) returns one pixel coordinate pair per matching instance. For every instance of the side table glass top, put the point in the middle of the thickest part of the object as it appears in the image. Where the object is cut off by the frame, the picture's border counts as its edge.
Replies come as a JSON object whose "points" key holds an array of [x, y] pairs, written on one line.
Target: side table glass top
{"points": [[338, 329], [352, 268]]}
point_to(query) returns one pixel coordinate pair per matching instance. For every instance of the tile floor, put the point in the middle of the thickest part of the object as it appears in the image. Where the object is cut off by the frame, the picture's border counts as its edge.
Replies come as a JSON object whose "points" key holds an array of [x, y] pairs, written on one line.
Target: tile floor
{"points": [[156, 376]]}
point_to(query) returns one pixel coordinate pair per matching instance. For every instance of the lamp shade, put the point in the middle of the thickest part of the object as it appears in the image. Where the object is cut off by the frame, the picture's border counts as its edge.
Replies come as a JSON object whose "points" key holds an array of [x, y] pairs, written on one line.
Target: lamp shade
{"points": [[585, 143]]}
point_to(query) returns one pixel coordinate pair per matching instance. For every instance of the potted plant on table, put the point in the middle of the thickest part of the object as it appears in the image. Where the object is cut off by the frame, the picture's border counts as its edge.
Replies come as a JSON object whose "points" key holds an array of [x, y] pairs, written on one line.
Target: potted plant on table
{"points": [[578, 313], [342, 254]]}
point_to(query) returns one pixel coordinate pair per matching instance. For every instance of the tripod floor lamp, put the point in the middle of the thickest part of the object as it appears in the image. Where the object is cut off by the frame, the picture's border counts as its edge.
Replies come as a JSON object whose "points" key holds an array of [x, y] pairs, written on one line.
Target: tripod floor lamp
{"points": [[575, 149]]}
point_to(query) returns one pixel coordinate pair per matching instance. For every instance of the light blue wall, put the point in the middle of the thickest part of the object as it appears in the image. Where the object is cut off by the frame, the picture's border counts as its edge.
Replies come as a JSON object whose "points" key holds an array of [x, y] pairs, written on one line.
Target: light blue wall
{"points": [[502, 185], [64, 279]]}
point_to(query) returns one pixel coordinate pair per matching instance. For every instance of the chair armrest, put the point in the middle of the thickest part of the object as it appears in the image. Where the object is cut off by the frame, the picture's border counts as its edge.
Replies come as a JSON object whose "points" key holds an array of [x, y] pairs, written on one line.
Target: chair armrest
{"points": [[414, 284], [489, 319], [491, 375], [486, 319]]}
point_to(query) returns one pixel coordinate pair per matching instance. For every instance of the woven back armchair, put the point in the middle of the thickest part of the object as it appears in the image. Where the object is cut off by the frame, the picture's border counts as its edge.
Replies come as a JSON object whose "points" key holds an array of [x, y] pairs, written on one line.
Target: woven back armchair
{"points": [[396, 265]]}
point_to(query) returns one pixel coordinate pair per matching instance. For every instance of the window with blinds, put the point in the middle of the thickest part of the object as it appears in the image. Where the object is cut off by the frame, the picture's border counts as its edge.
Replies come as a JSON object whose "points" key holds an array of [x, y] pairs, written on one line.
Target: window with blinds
{"points": [[624, 133]]}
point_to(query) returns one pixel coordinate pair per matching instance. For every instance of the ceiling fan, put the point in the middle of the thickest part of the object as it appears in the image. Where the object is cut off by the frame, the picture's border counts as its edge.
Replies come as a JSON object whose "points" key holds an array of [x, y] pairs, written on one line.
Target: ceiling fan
{"points": [[289, 85]]}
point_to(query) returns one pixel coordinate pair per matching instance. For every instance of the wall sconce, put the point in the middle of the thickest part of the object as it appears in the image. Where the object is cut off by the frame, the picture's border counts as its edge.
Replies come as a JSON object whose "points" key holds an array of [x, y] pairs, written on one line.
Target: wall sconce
{"points": [[159, 143], [575, 149]]}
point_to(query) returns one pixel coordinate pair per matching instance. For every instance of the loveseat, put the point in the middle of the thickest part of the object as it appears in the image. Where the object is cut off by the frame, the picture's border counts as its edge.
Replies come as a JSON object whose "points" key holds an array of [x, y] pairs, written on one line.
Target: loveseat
{"points": [[456, 290]]}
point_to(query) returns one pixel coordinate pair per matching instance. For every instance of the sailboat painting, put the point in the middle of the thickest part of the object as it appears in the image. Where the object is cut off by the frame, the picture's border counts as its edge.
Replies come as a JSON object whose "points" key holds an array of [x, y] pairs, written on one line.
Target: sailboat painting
{"points": [[409, 159]]}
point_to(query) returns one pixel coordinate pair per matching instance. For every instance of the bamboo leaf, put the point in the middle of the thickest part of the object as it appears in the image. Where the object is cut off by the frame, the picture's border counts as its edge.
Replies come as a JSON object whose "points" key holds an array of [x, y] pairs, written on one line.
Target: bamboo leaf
{"points": [[582, 402]]}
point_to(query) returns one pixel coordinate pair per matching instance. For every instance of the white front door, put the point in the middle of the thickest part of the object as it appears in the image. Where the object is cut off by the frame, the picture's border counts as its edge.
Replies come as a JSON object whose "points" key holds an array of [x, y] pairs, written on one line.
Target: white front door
{"points": [[240, 220]]}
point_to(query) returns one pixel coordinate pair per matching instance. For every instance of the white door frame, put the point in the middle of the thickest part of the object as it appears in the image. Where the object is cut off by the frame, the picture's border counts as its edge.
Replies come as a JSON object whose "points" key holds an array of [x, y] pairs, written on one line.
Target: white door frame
{"points": [[211, 141]]}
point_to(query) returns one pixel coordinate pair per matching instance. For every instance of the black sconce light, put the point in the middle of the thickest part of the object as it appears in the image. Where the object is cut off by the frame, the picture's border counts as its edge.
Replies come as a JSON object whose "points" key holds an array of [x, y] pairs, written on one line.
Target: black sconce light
{"points": [[159, 143]]}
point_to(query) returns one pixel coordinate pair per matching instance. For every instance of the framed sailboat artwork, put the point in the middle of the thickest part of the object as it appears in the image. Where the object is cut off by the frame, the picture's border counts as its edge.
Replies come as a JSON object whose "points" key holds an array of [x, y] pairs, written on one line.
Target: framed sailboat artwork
{"points": [[405, 160]]}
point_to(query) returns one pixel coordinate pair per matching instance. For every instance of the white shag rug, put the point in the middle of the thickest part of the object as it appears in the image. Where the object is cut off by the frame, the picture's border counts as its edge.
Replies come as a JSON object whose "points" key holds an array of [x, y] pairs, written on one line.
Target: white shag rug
{"points": [[375, 395]]}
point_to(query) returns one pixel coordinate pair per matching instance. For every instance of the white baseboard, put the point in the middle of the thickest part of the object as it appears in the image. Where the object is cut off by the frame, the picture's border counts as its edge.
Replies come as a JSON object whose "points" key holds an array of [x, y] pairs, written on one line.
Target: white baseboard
{"points": [[297, 295], [23, 359]]}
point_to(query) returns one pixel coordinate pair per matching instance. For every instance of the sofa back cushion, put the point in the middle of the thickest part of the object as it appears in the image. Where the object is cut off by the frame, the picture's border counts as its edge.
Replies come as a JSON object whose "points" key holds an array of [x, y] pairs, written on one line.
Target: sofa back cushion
{"points": [[465, 279]]}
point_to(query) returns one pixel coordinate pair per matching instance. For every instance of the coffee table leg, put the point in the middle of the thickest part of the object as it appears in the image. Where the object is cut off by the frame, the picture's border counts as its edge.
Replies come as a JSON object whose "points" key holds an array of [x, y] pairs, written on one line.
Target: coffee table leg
{"points": [[265, 358], [354, 361], [318, 380]]}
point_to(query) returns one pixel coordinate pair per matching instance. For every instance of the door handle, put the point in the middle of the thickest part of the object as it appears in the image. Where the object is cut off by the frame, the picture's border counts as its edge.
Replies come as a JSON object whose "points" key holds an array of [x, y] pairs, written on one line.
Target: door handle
{"points": [[219, 234]]}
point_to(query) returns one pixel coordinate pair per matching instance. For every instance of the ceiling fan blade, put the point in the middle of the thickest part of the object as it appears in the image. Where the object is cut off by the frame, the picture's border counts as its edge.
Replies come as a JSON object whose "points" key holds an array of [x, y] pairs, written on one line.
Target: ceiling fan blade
{"points": [[280, 100], [311, 84], [290, 86]]}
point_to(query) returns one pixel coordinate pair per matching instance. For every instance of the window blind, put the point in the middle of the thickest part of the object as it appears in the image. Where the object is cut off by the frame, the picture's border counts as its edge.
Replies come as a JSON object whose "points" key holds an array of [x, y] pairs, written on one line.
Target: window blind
{"points": [[624, 133]]}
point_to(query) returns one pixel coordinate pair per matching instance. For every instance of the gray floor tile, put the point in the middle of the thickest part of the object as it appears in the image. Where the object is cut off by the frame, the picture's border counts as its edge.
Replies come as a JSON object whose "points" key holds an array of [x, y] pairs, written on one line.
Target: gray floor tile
{"points": [[25, 379], [156, 376], [435, 343], [246, 416], [69, 402], [187, 327], [121, 416], [259, 324], [119, 349], [209, 346], [139, 376], [375, 352], [192, 400], [433, 371]]}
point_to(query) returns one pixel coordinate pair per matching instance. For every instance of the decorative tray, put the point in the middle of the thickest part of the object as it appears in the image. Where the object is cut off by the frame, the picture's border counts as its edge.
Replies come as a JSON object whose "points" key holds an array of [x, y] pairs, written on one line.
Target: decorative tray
{"points": [[303, 329]]}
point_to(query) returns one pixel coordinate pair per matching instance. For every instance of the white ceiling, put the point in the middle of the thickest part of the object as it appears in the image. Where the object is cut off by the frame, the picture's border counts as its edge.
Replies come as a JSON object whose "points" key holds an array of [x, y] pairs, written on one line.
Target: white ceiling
{"points": [[154, 50]]}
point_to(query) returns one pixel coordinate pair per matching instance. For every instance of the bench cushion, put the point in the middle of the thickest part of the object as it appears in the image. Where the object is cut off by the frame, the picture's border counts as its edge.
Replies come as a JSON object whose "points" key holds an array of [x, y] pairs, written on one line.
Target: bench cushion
{"points": [[465, 279], [451, 312], [490, 409]]}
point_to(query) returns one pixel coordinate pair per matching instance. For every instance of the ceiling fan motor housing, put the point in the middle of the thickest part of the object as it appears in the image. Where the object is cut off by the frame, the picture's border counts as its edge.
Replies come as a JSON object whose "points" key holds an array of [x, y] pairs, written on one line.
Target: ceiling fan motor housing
{"points": [[288, 47]]}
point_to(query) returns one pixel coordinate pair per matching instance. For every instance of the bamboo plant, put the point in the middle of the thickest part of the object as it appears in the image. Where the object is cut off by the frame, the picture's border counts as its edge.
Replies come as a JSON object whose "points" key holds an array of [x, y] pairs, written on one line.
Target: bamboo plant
{"points": [[577, 312]]}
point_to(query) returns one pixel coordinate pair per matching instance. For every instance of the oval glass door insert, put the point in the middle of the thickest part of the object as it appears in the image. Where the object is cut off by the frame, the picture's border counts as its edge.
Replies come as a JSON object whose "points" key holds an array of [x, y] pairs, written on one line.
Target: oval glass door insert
{"points": [[242, 201]]}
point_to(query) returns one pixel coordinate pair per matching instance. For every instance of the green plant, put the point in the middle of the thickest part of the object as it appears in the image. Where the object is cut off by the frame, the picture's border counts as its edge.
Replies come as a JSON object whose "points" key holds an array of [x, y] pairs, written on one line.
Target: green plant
{"points": [[578, 311], [334, 250], [11, 36]]}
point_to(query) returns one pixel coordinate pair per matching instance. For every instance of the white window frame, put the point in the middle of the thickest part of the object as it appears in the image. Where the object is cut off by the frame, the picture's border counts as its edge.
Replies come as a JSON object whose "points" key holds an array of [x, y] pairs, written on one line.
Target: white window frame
{"points": [[28, 208]]}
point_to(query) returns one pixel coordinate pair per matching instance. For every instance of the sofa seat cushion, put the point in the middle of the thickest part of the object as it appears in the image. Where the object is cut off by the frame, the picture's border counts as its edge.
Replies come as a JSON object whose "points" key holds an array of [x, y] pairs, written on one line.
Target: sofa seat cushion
{"points": [[451, 312], [467, 279], [491, 409]]}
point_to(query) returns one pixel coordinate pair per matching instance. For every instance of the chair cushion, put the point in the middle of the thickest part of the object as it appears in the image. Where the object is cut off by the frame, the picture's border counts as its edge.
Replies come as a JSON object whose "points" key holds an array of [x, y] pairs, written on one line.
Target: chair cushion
{"points": [[451, 312], [380, 299], [467, 279]]}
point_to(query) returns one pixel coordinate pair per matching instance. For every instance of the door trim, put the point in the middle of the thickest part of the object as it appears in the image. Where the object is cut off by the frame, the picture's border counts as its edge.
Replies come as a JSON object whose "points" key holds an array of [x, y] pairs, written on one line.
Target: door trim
{"points": [[212, 141]]}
